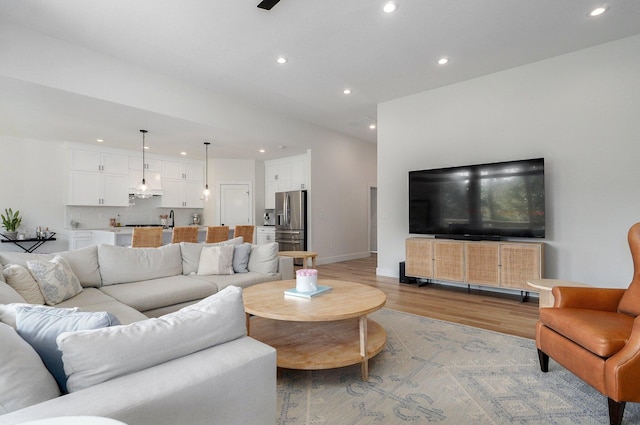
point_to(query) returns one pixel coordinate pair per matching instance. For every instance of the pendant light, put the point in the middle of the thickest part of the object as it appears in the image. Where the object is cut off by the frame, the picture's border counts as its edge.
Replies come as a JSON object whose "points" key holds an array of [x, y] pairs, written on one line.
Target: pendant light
{"points": [[206, 192], [143, 190]]}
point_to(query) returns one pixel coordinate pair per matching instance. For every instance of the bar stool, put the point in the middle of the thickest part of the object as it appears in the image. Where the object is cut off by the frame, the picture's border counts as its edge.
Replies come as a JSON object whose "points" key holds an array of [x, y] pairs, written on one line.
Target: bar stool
{"points": [[184, 234], [217, 234], [245, 231], [146, 237]]}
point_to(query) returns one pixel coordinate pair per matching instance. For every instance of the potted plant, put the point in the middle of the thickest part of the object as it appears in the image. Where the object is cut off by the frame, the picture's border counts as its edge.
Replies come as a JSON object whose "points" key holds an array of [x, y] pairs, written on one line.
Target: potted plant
{"points": [[11, 221]]}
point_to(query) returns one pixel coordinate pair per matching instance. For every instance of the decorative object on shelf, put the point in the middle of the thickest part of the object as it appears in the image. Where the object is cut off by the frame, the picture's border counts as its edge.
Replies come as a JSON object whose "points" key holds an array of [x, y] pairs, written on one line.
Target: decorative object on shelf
{"points": [[143, 190], [205, 191], [11, 221]]}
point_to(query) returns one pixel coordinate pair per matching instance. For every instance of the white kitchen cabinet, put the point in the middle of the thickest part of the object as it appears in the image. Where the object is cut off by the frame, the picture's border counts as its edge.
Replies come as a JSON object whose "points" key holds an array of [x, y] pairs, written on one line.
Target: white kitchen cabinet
{"points": [[282, 175], [265, 234], [80, 239], [98, 178], [182, 184], [152, 173]]}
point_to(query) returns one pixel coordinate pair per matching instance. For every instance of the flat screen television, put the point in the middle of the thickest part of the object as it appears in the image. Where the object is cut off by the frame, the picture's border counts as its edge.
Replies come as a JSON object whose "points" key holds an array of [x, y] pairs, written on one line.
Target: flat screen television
{"points": [[479, 202]]}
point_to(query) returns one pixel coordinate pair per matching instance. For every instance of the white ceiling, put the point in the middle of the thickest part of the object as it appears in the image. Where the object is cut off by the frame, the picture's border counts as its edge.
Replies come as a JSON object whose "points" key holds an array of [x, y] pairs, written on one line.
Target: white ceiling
{"points": [[230, 47]]}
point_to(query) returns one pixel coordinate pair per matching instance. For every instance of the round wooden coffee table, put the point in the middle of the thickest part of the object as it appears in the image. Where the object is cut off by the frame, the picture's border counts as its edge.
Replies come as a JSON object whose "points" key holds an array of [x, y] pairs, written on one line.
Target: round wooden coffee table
{"points": [[327, 331]]}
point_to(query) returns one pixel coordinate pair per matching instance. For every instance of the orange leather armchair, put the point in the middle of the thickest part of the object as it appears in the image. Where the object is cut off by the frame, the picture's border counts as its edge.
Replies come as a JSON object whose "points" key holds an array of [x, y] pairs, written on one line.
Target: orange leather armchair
{"points": [[595, 334]]}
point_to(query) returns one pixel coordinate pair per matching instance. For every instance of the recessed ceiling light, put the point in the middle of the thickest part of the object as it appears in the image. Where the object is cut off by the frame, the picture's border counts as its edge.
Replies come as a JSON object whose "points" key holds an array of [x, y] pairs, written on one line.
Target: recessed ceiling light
{"points": [[599, 10], [146, 147], [262, 151], [99, 140], [281, 60], [372, 126], [183, 153], [346, 91], [443, 61], [390, 7]]}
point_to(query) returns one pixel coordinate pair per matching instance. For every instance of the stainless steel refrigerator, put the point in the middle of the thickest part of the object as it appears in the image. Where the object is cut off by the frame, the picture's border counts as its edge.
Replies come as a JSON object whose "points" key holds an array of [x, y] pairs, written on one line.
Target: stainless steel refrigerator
{"points": [[291, 220]]}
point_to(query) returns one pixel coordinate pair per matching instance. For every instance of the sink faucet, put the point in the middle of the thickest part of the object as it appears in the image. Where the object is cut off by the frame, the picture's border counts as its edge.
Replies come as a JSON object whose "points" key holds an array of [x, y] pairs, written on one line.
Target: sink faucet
{"points": [[173, 221]]}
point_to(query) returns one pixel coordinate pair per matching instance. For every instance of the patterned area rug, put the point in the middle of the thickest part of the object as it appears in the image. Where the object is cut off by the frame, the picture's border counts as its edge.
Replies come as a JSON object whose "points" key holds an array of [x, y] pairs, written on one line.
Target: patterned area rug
{"points": [[439, 372]]}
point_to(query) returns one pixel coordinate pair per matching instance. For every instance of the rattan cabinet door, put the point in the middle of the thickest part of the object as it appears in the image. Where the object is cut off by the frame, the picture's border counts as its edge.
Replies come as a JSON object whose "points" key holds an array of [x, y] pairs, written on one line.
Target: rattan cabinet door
{"points": [[419, 257], [482, 265], [448, 260], [519, 263]]}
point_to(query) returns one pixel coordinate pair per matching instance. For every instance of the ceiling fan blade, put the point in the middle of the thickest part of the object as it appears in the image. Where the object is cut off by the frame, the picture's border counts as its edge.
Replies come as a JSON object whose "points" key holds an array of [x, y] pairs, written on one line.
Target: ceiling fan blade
{"points": [[267, 4]]}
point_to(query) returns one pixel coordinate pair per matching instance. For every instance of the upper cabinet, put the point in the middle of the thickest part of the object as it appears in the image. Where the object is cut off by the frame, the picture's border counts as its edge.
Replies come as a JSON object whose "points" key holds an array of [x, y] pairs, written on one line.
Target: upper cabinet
{"points": [[152, 173], [282, 175], [182, 184], [98, 178]]}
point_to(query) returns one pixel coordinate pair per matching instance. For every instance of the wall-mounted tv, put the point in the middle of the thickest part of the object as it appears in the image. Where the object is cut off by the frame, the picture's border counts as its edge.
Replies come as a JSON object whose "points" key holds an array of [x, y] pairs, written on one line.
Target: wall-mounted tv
{"points": [[478, 202]]}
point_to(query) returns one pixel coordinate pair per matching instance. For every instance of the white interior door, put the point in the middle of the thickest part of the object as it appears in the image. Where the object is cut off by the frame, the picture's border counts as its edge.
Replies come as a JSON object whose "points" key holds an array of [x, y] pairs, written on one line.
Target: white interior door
{"points": [[235, 204]]}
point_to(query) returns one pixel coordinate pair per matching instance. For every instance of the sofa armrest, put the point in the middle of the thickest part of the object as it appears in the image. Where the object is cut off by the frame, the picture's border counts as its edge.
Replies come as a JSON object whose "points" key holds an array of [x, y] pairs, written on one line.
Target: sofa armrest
{"points": [[233, 383], [605, 299], [285, 268]]}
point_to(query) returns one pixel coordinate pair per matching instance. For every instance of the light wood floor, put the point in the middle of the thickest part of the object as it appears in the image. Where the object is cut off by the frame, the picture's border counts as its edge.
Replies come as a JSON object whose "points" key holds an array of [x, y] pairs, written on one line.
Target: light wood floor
{"points": [[483, 309]]}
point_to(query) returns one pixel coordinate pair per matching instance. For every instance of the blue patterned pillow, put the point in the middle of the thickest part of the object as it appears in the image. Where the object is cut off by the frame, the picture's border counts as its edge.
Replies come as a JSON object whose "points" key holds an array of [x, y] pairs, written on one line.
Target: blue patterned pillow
{"points": [[55, 278], [40, 326]]}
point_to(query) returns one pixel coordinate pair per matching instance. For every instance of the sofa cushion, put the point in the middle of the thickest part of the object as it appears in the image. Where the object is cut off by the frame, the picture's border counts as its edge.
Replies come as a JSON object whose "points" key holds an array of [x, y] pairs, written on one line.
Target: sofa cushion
{"points": [[241, 258], [120, 264], [9, 295], [93, 299], [40, 326], [216, 260], [264, 258], [242, 280], [23, 283], [191, 253], [55, 278], [83, 262], [95, 356], [155, 293], [8, 313], [24, 381]]}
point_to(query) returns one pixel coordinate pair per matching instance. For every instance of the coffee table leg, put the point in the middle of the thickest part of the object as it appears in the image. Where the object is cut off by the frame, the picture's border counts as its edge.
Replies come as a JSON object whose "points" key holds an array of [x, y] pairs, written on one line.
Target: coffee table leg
{"points": [[364, 368], [248, 318]]}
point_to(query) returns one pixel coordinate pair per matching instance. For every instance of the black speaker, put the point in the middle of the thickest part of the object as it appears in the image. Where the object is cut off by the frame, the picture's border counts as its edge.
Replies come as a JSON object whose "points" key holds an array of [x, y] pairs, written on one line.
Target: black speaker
{"points": [[402, 277]]}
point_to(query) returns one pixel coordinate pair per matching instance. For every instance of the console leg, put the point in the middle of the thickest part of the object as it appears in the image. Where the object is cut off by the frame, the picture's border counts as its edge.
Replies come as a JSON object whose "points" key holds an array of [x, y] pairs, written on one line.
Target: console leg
{"points": [[544, 361], [524, 296]]}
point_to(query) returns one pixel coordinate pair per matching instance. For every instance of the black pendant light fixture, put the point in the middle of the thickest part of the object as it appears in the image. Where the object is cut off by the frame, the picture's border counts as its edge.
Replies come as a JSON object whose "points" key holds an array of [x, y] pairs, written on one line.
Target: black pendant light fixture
{"points": [[206, 192], [143, 190]]}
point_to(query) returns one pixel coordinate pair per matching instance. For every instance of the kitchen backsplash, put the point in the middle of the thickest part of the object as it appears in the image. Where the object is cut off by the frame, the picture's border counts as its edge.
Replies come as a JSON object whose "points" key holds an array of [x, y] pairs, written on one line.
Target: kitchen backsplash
{"points": [[144, 211]]}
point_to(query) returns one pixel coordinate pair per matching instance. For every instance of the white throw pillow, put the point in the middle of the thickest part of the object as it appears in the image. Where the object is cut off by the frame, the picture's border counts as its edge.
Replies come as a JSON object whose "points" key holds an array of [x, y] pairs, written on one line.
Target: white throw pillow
{"points": [[24, 381], [56, 280], [23, 282], [264, 258], [216, 260], [191, 253], [94, 356]]}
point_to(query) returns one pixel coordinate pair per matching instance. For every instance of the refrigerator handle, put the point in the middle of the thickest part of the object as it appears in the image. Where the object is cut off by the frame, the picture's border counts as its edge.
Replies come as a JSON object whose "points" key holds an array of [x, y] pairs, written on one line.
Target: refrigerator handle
{"points": [[286, 209]]}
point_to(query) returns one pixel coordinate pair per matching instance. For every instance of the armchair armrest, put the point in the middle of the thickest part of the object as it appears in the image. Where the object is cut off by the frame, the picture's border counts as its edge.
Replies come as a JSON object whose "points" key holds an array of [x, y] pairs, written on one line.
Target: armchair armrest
{"points": [[605, 299], [622, 370]]}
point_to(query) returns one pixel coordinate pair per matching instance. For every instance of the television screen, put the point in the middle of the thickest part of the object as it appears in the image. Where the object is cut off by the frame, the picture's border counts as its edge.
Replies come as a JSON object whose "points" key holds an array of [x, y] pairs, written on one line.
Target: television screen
{"points": [[485, 201]]}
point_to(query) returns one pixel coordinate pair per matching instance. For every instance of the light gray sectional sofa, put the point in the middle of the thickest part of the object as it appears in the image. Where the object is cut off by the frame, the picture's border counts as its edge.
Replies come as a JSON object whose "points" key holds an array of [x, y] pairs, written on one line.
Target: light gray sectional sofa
{"points": [[180, 354]]}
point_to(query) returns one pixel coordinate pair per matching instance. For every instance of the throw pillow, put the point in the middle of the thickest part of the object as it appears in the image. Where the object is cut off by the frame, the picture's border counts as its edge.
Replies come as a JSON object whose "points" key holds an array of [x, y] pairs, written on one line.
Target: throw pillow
{"points": [[264, 258], [216, 260], [40, 326], [92, 357], [24, 284], [24, 381], [55, 279], [241, 258], [191, 253]]}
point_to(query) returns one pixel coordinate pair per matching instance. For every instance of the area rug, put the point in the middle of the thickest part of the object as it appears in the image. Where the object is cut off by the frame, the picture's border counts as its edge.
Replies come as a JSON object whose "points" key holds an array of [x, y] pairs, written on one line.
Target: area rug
{"points": [[433, 371]]}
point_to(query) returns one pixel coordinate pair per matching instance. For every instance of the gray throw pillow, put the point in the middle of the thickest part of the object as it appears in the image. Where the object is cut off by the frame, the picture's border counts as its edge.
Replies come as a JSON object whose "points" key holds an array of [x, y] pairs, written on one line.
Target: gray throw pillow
{"points": [[241, 255]]}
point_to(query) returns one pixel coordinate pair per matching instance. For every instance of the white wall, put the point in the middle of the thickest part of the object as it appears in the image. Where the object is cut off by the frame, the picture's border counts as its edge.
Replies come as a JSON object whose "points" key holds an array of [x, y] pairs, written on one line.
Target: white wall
{"points": [[579, 111], [33, 179]]}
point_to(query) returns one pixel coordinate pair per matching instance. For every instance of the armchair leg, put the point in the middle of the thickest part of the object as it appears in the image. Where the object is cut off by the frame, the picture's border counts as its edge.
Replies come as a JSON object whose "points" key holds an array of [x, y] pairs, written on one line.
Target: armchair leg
{"points": [[616, 410], [544, 361]]}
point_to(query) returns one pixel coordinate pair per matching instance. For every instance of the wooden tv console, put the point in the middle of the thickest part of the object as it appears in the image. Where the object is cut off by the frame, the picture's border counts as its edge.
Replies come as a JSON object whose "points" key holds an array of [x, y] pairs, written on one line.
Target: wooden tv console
{"points": [[500, 264]]}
